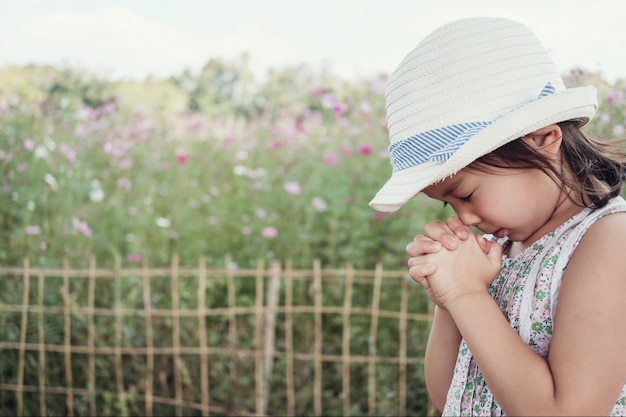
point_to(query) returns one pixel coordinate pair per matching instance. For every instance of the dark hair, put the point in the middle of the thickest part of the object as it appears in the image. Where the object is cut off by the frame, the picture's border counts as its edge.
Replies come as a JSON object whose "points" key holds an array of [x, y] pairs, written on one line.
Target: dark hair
{"points": [[596, 167]]}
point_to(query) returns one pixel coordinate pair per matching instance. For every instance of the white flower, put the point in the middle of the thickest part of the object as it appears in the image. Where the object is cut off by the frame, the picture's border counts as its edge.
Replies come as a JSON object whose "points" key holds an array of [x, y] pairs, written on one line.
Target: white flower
{"points": [[319, 204], [163, 222], [96, 195]]}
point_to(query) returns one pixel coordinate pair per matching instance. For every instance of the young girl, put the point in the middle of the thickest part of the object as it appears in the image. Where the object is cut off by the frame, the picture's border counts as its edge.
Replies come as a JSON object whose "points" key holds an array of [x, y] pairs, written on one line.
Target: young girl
{"points": [[528, 318]]}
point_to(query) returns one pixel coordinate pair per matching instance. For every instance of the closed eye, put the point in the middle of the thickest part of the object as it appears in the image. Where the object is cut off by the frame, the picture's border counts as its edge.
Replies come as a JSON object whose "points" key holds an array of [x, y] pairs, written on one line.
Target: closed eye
{"points": [[467, 198]]}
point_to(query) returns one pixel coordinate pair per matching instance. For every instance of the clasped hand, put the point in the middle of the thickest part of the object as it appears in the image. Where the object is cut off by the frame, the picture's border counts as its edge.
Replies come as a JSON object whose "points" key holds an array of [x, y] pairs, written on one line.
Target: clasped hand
{"points": [[450, 261]]}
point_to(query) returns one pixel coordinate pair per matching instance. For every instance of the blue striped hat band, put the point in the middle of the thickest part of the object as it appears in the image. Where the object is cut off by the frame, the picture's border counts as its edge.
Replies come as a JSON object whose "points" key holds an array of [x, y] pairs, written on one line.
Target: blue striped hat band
{"points": [[438, 145]]}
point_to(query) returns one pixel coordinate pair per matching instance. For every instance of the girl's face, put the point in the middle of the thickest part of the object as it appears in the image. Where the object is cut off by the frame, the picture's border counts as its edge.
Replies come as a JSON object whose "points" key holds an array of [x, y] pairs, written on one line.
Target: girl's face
{"points": [[522, 204]]}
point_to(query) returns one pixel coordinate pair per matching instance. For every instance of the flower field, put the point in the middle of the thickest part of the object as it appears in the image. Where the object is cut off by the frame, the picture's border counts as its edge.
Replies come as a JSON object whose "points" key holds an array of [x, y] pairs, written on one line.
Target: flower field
{"points": [[283, 169], [217, 165], [212, 164]]}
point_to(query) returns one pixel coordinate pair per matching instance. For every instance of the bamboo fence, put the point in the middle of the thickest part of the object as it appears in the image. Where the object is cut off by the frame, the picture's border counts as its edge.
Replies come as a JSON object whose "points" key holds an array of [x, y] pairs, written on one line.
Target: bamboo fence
{"points": [[272, 309]]}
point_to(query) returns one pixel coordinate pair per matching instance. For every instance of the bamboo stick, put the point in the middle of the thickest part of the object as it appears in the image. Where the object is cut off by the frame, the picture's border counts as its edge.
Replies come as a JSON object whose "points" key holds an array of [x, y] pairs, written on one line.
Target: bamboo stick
{"points": [[233, 340], [403, 348], [42, 351], [67, 339], [260, 394], [147, 306], [273, 290], [117, 305], [178, 389], [317, 345], [23, 326], [204, 358], [289, 377], [373, 352], [345, 346], [91, 335]]}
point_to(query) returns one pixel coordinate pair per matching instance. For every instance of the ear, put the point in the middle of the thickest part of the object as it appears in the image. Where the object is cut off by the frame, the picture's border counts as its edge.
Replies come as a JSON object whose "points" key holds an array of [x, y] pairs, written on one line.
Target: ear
{"points": [[546, 140]]}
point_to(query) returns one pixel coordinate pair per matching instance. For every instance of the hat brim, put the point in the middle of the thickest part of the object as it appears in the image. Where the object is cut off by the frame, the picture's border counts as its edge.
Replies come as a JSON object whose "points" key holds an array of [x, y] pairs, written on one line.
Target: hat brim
{"points": [[575, 103]]}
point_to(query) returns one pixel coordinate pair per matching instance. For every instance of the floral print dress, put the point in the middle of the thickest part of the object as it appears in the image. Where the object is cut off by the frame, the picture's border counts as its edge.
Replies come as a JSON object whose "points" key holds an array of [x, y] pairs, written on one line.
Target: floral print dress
{"points": [[526, 289]]}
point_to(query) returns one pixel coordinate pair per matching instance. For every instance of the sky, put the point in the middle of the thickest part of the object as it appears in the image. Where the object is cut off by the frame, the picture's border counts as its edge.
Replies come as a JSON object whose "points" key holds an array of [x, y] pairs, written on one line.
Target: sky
{"points": [[351, 38]]}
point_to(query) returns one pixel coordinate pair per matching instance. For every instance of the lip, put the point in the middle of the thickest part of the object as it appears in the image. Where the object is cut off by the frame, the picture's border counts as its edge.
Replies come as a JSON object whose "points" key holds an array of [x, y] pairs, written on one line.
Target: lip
{"points": [[500, 233]]}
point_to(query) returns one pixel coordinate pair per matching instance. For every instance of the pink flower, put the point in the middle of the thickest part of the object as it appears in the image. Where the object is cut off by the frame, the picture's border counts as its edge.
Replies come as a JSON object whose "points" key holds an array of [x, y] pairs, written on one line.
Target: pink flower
{"points": [[292, 187], [260, 213], [82, 227], [364, 149], [269, 232], [618, 130], [124, 184], [339, 109], [316, 90], [277, 144], [330, 159], [181, 158], [134, 258], [33, 230], [379, 216], [193, 126], [69, 153], [29, 144]]}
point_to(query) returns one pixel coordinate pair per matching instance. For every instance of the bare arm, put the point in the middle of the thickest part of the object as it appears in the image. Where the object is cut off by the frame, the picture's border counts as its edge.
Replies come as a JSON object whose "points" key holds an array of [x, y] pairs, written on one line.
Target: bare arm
{"points": [[444, 339], [586, 368], [441, 352]]}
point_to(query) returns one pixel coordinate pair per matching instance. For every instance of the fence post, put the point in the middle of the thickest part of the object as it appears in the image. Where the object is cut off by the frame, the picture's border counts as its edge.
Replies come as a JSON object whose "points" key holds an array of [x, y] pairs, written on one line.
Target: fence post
{"points": [[204, 356], [119, 371], [233, 340], [373, 351], [23, 325], [42, 344], [147, 307], [317, 347], [403, 347], [345, 345], [91, 337], [291, 396], [259, 334], [67, 328], [273, 290]]}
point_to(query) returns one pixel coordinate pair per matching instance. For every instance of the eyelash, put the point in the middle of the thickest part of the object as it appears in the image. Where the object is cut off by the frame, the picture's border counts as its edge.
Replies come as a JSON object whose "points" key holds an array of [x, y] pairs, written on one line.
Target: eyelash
{"points": [[465, 199]]}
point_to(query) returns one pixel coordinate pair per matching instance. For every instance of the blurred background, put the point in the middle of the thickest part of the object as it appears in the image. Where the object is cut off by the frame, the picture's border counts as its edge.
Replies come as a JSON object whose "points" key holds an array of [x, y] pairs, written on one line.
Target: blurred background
{"points": [[136, 130], [139, 135]]}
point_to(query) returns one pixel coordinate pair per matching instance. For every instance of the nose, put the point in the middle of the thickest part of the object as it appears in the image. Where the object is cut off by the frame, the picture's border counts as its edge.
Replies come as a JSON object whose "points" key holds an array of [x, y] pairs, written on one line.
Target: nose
{"points": [[468, 217]]}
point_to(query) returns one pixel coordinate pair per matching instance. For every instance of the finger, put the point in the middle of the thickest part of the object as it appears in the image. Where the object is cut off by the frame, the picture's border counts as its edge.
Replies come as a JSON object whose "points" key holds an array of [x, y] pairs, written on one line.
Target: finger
{"points": [[421, 281], [422, 245], [442, 233], [485, 245], [460, 230], [422, 270], [495, 253]]}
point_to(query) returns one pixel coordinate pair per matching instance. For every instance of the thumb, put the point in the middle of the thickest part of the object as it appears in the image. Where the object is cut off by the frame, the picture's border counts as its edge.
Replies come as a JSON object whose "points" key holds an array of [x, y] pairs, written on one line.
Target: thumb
{"points": [[495, 254], [483, 243]]}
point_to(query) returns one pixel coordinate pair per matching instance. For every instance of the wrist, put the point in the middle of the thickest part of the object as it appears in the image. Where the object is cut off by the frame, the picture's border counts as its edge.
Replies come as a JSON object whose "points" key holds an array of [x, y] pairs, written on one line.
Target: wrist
{"points": [[465, 301]]}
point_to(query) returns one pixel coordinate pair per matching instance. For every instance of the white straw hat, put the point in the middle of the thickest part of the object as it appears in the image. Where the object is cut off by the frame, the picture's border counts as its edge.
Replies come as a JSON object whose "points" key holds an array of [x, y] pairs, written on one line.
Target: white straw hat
{"points": [[468, 88]]}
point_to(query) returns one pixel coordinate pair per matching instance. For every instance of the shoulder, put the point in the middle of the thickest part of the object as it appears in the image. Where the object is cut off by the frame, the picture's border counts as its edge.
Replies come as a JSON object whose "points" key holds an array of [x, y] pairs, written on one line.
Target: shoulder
{"points": [[606, 233], [600, 254]]}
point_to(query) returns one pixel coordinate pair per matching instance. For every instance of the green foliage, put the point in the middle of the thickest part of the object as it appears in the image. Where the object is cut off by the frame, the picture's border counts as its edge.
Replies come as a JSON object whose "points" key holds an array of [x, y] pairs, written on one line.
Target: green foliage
{"points": [[281, 169]]}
